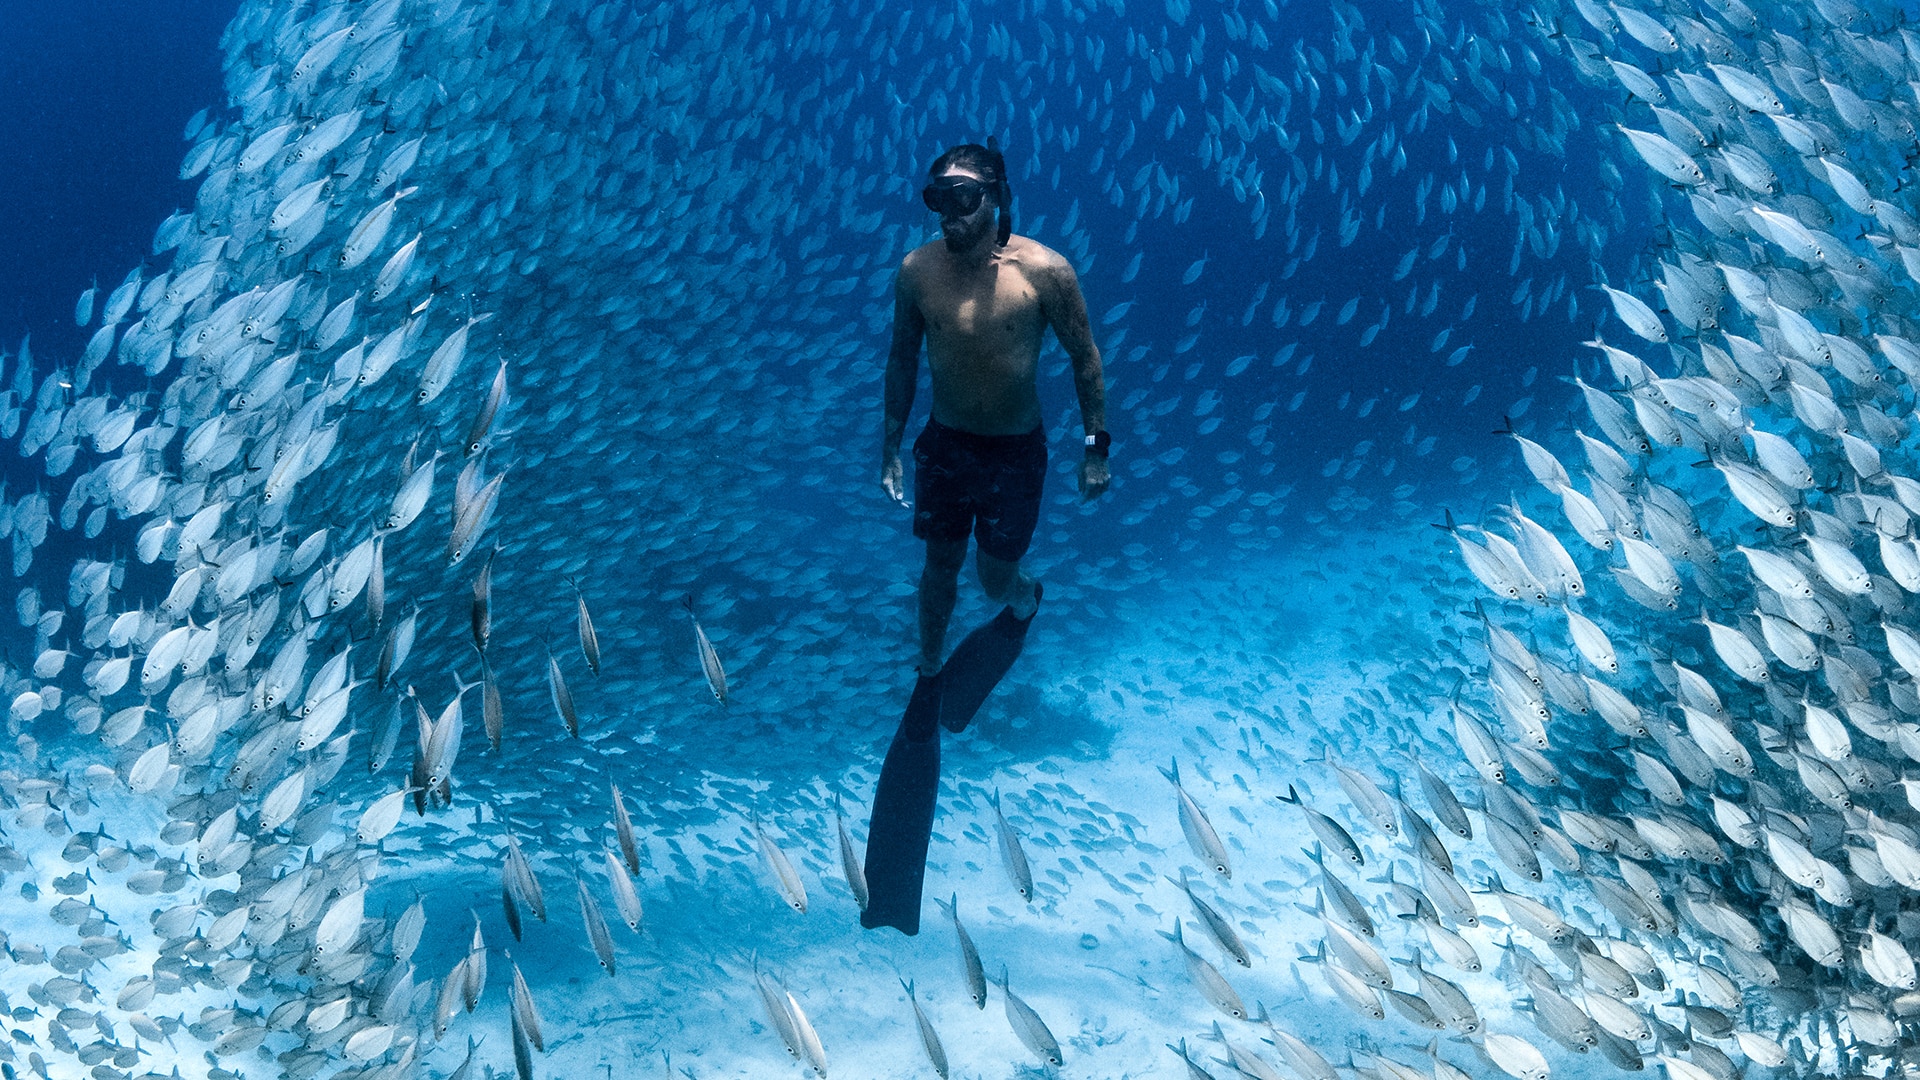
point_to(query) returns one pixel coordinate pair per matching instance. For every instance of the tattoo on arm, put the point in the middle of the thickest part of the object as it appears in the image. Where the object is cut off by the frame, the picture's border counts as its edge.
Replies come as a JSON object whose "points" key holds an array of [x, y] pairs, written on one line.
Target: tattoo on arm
{"points": [[1067, 311]]}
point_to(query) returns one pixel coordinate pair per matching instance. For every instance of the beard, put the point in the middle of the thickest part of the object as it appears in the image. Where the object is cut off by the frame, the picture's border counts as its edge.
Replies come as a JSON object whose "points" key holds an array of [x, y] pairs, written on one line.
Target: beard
{"points": [[965, 237]]}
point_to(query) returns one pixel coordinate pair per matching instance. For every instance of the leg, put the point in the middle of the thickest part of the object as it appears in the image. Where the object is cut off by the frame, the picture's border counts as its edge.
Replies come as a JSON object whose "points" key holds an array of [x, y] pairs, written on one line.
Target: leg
{"points": [[1006, 583], [939, 581], [1009, 514]]}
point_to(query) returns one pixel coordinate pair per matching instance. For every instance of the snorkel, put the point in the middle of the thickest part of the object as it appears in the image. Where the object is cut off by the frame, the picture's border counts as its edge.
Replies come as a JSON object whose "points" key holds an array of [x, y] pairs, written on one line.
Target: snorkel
{"points": [[1002, 192]]}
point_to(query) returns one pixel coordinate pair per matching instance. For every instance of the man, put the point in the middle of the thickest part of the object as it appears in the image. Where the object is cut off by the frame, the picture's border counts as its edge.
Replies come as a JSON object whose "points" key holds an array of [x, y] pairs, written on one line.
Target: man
{"points": [[983, 299]]}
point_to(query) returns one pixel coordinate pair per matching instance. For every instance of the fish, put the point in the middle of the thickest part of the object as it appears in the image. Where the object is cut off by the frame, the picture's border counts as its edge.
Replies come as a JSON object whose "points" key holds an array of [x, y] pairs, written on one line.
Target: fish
{"points": [[445, 362], [492, 706], [709, 659], [785, 878], [475, 969], [562, 697], [590, 641], [1013, 856], [412, 496], [595, 922], [523, 1045], [1445, 804], [370, 231], [811, 1050], [850, 860], [624, 831], [1027, 1025], [480, 610], [380, 816], [626, 898], [392, 274], [1201, 837], [1217, 927], [526, 1016], [929, 1039], [1351, 909], [970, 967], [1194, 1071], [482, 427], [1206, 978], [1331, 833], [308, 367], [521, 882], [472, 523], [1374, 804], [775, 1001]]}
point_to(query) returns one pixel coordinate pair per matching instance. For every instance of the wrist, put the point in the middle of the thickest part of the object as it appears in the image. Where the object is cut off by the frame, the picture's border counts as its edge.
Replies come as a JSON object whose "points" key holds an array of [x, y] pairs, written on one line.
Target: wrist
{"points": [[1097, 444]]}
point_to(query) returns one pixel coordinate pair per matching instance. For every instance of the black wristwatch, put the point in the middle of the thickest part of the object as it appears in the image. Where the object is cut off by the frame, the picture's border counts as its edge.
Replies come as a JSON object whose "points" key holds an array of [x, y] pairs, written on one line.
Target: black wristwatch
{"points": [[1098, 442]]}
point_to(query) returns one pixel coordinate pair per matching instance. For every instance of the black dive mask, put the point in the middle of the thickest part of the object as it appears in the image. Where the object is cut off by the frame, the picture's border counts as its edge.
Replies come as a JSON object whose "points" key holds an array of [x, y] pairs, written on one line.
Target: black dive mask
{"points": [[955, 196]]}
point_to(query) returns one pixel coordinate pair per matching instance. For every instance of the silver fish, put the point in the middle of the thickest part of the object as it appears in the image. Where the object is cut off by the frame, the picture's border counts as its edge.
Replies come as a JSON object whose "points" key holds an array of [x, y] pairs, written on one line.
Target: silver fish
{"points": [[1027, 1025], [970, 967], [1012, 855], [929, 1039]]}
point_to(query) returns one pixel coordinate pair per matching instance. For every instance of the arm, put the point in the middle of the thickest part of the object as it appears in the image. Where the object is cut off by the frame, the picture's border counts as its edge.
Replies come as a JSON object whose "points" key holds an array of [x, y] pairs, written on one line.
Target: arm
{"points": [[902, 379], [1066, 311]]}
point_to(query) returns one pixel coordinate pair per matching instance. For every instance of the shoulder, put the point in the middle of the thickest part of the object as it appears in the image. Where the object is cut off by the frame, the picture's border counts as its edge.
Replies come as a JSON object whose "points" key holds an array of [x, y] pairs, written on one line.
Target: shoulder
{"points": [[917, 258], [1047, 270], [1041, 264], [914, 267]]}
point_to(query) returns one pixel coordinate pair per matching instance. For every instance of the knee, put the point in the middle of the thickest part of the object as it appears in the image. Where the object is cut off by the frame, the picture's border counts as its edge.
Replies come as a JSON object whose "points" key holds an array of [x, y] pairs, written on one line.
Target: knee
{"points": [[944, 562], [997, 578]]}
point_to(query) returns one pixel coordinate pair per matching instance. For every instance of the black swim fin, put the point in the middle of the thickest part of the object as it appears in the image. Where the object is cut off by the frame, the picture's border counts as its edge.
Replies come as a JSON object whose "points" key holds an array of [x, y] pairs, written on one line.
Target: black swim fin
{"points": [[979, 663], [902, 821]]}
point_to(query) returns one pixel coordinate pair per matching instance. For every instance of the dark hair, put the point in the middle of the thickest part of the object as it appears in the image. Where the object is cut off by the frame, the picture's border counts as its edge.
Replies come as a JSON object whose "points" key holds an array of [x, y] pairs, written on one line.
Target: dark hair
{"points": [[992, 167]]}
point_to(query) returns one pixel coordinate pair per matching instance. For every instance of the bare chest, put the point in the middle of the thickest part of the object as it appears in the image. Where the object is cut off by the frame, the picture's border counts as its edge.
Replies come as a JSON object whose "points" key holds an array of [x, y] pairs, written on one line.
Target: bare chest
{"points": [[994, 306]]}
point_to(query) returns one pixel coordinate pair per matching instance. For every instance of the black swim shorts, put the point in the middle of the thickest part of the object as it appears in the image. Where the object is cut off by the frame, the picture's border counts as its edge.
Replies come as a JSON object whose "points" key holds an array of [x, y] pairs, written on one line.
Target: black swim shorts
{"points": [[988, 485]]}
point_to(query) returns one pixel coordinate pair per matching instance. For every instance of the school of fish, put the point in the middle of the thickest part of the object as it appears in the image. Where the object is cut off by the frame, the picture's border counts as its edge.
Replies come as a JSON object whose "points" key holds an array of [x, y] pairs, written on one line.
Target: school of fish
{"points": [[490, 365]]}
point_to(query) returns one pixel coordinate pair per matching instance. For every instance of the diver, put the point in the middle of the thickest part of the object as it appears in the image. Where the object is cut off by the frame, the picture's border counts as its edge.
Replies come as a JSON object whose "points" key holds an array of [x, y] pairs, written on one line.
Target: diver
{"points": [[983, 299]]}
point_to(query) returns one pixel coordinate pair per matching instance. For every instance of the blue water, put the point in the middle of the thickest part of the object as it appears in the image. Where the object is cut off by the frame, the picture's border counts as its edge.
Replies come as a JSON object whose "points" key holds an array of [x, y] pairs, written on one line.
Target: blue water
{"points": [[98, 93], [1259, 587]]}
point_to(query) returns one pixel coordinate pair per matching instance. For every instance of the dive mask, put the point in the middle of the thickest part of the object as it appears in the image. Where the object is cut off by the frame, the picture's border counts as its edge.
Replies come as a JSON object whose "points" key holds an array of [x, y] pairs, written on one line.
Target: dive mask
{"points": [[955, 196]]}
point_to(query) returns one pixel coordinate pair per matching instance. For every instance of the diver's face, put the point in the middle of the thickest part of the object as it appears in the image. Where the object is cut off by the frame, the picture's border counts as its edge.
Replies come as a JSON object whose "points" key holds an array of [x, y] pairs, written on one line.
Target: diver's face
{"points": [[964, 232]]}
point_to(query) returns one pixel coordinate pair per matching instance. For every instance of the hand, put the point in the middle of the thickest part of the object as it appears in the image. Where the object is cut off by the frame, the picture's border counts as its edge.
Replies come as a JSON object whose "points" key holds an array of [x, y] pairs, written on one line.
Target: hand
{"points": [[890, 478], [1093, 476]]}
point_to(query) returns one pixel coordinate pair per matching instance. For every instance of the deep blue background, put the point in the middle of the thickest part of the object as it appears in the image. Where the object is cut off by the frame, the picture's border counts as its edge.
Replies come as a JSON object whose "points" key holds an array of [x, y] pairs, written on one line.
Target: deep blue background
{"points": [[97, 94]]}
